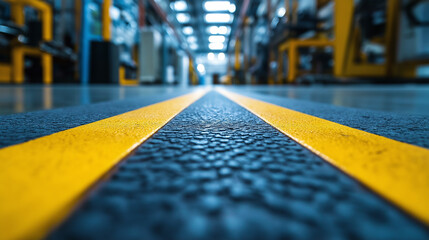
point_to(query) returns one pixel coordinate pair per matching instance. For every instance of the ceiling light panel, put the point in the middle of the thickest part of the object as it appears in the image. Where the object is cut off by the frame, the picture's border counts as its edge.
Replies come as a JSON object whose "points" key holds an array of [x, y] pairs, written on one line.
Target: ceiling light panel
{"points": [[223, 30], [217, 38], [232, 8], [216, 46], [192, 39], [193, 46], [210, 56], [183, 17], [218, 30], [179, 6], [221, 56], [218, 17], [216, 6], [188, 30]]}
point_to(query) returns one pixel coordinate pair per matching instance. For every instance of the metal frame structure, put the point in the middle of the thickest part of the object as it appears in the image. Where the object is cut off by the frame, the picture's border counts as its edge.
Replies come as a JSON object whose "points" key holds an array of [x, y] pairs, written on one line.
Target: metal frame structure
{"points": [[292, 46], [346, 46], [346, 42], [19, 51]]}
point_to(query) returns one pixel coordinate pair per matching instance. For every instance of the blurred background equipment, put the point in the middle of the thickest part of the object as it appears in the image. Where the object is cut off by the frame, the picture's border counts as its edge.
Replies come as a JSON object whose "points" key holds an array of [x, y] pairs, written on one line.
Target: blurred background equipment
{"points": [[305, 41], [131, 42], [37, 41]]}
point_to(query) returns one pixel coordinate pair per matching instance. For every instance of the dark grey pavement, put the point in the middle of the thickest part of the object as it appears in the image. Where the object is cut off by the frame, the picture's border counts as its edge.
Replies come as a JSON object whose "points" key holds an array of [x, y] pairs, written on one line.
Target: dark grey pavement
{"points": [[404, 127], [216, 171], [18, 128]]}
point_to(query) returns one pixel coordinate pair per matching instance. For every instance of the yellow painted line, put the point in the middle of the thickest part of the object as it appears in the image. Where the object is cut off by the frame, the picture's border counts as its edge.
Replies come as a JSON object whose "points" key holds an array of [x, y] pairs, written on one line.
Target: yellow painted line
{"points": [[41, 180], [396, 170]]}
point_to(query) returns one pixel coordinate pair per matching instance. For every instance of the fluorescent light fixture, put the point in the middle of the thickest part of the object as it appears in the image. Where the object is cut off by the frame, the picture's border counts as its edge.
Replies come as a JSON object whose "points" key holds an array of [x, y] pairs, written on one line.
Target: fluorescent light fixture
{"points": [[218, 30], [217, 38], [213, 30], [210, 56], [188, 30], [201, 68], [215, 6], [183, 17], [281, 12], [221, 56], [193, 46], [231, 8], [192, 39], [223, 30], [179, 6], [216, 46], [218, 17]]}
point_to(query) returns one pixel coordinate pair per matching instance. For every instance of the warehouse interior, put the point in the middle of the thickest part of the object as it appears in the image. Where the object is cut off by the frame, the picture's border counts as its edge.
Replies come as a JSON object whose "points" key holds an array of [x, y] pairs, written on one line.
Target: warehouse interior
{"points": [[48, 46], [214, 119]]}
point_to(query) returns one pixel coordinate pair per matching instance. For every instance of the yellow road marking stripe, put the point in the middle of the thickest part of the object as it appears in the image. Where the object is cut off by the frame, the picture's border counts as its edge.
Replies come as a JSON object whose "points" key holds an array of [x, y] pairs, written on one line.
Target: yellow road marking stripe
{"points": [[396, 170], [42, 179]]}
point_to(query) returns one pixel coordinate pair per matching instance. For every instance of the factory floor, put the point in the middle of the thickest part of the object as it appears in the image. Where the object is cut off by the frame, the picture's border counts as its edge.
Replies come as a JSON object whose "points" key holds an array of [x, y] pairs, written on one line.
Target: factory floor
{"points": [[412, 99], [267, 162]]}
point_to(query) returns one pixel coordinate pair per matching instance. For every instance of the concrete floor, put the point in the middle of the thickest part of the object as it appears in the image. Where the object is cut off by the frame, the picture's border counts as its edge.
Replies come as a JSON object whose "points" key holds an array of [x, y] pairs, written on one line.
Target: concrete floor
{"points": [[406, 99], [28, 98]]}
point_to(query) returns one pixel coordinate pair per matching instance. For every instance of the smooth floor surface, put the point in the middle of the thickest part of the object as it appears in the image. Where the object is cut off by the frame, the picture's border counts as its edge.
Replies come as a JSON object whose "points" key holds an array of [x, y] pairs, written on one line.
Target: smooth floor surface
{"points": [[28, 98], [413, 99], [217, 171], [408, 98]]}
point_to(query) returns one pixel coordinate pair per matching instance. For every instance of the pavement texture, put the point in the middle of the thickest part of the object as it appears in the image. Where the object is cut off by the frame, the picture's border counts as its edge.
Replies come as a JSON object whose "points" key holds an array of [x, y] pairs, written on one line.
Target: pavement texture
{"points": [[408, 128], [216, 171], [19, 128]]}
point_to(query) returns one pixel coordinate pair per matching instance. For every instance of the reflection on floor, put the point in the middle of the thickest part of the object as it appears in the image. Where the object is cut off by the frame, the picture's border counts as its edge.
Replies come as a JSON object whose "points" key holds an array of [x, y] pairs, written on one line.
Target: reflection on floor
{"points": [[407, 99], [27, 98]]}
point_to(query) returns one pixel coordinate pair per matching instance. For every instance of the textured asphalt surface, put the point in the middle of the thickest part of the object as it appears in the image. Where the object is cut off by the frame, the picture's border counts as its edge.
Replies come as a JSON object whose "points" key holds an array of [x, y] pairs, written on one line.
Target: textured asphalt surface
{"points": [[19, 128], [216, 171], [409, 128]]}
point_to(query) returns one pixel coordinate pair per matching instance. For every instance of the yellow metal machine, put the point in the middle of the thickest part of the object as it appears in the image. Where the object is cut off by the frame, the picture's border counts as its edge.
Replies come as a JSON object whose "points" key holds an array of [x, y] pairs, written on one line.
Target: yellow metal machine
{"points": [[19, 51], [347, 42], [349, 61]]}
